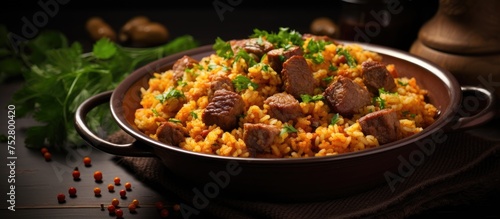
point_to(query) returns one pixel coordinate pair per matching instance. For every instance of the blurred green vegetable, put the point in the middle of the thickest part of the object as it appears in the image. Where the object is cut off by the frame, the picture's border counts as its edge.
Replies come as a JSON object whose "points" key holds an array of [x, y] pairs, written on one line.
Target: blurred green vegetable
{"points": [[59, 76]]}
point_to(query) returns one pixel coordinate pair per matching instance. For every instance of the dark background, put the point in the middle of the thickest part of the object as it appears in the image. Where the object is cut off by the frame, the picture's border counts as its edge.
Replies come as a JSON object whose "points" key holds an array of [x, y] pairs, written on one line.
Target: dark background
{"points": [[201, 20]]}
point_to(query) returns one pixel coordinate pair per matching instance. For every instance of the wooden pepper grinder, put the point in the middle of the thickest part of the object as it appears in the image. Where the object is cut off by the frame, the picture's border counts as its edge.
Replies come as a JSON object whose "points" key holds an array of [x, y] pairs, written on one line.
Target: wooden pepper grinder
{"points": [[464, 37]]}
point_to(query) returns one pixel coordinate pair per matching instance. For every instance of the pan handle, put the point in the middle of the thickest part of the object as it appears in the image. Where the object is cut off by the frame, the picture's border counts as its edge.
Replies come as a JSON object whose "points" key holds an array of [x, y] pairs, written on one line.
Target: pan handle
{"points": [[481, 103], [134, 149]]}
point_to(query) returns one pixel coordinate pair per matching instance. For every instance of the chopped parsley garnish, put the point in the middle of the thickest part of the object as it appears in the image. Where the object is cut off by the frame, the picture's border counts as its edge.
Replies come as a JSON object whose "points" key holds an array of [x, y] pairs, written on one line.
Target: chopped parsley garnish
{"points": [[383, 91], [241, 83], [332, 67], [334, 119], [172, 93], [265, 68], [380, 101], [314, 50], [155, 112], [181, 83], [211, 67], [244, 55], [350, 60], [306, 98], [193, 114], [402, 83], [282, 39], [328, 79], [287, 129], [174, 120], [223, 48]]}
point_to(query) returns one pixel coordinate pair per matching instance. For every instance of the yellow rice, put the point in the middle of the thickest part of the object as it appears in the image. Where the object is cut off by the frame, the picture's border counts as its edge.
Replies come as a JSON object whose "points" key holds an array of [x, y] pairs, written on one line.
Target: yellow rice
{"points": [[344, 136]]}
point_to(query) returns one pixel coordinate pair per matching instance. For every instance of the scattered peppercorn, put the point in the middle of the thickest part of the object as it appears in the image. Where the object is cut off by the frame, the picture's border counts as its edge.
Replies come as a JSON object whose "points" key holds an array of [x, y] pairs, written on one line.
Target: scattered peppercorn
{"points": [[177, 207], [87, 161], [44, 150], [61, 198], [76, 174], [132, 207], [72, 191], [117, 180], [123, 194], [111, 209], [97, 191], [164, 213], [98, 176], [128, 186], [135, 202], [47, 156], [111, 188], [159, 205], [115, 202], [119, 213]]}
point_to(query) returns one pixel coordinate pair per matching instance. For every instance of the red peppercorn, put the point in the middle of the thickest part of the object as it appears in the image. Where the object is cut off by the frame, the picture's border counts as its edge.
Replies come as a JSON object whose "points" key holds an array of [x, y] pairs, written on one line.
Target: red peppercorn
{"points": [[44, 150], [61, 198], [72, 191], [86, 161], [115, 202], [135, 202], [97, 191], [47, 156], [164, 213], [111, 209], [119, 213], [111, 187], [132, 207], [177, 207], [98, 176], [159, 205], [117, 180], [123, 193], [128, 186], [76, 174]]}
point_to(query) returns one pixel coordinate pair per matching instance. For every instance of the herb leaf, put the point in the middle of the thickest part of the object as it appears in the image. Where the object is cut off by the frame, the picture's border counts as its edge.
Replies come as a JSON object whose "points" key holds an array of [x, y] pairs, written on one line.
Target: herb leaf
{"points": [[241, 83], [350, 60], [223, 48], [104, 49], [172, 93], [306, 98], [287, 129], [334, 119]]}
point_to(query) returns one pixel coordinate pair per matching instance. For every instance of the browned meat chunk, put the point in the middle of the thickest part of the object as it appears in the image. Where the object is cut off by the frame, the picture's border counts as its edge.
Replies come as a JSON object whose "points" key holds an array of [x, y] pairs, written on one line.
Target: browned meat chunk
{"points": [[276, 57], [346, 97], [220, 82], [255, 46], [297, 77], [382, 124], [283, 107], [318, 37], [171, 133], [376, 76], [224, 110], [181, 65], [259, 137]]}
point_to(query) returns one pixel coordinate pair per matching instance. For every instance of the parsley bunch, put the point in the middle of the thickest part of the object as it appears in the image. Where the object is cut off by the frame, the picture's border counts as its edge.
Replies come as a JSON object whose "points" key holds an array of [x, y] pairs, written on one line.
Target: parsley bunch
{"points": [[57, 80]]}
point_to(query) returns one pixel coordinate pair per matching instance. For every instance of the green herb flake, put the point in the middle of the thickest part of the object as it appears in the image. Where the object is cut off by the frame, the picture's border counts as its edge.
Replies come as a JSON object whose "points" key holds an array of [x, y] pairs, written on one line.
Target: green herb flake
{"points": [[334, 119], [308, 98], [282, 39], [172, 93], [402, 83], [350, 60], [328, 79], [287, 129], [104, 49], [181, 83], [332, 67], [174, 120], [193, 114], [241, 83], [155, 112], [380, 101], [223, 48], [244, 55], [211, 67]]}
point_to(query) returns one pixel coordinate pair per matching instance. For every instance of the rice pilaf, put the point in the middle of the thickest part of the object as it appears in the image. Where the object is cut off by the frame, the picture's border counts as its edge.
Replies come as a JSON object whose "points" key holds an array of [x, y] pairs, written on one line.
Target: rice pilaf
{"points": [[180, 98]]}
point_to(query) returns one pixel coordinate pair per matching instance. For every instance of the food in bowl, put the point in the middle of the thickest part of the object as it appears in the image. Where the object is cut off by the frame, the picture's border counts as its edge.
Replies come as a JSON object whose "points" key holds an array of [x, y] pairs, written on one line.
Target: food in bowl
{"points": [[282, 95]]}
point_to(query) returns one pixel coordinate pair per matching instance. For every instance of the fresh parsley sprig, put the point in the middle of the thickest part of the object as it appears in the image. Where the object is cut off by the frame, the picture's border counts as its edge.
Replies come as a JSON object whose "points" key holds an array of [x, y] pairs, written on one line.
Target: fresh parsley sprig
{"points": [[60, 77]]}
